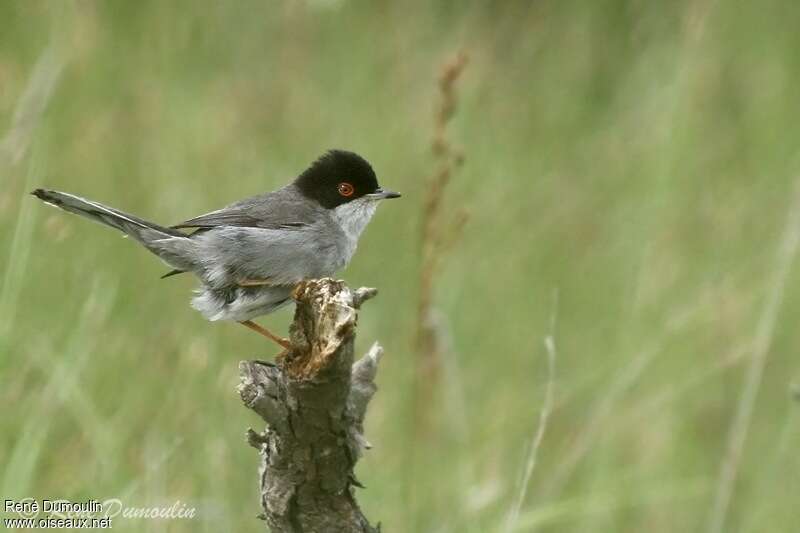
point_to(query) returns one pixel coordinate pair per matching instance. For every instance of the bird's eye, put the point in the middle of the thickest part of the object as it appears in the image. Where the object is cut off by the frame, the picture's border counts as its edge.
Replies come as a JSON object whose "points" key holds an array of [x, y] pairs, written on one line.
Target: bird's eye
{"points": [[346, 189]]}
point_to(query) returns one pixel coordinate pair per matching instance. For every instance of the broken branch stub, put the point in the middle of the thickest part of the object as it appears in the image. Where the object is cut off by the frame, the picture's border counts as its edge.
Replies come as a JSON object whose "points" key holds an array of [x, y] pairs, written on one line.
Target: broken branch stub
{"points": [[313, 399]]}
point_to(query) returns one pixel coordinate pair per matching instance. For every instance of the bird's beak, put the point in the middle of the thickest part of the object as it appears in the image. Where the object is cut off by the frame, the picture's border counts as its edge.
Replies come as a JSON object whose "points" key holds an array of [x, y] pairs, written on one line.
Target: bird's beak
{"points": [[383, 194]]}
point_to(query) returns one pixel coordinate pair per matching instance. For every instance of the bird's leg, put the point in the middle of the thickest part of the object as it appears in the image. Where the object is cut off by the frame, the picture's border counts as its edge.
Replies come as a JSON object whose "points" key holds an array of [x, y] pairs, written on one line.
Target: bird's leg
{"points": [[253, 282], [267, 333]]}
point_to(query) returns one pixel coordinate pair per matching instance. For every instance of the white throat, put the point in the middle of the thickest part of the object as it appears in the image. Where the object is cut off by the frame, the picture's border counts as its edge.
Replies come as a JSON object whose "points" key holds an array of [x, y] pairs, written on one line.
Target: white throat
{"points": [[352, 218]]}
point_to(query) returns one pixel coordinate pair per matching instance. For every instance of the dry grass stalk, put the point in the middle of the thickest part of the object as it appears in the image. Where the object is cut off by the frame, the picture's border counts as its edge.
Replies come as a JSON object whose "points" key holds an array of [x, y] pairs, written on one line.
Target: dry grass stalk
{"points": [[439, 230]]}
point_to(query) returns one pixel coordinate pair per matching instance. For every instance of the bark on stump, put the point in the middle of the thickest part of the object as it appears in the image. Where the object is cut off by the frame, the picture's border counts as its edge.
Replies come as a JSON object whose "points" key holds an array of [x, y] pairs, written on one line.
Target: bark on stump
{"points": [[313, 400]]}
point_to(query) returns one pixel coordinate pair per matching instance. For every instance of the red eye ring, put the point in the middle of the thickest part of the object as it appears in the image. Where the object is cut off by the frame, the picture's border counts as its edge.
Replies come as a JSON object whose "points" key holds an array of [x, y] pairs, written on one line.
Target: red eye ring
{"points": [[346, 189]]}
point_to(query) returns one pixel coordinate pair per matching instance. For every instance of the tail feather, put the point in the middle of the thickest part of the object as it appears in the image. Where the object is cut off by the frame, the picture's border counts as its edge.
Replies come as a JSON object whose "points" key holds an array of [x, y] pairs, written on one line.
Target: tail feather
{"points": [[171, 245], [100, 213]]}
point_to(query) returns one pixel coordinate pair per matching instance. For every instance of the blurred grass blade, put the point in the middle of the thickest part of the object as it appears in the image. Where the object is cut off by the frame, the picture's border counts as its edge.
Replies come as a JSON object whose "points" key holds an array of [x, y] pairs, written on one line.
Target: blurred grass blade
{"points": [[572, 509], [544, 415], [740, 425], [17, 257], [32, 103]]}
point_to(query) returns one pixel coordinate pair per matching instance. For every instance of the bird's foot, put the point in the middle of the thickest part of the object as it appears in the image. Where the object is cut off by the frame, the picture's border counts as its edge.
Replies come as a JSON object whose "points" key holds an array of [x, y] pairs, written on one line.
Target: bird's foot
{"points": [[254, 283], [285, 343]]}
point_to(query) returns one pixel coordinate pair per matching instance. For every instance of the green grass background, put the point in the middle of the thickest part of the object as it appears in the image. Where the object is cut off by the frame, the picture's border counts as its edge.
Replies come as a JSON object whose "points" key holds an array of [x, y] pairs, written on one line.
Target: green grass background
{"points": [[636, 157]]}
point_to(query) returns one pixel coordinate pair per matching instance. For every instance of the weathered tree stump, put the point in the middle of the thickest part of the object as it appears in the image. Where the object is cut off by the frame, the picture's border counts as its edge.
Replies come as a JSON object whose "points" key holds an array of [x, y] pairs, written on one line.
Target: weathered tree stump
{"points": [[313, 400]]}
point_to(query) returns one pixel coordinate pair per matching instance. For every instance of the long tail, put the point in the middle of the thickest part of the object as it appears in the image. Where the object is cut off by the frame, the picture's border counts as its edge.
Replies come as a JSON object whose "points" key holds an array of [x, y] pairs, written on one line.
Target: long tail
{"points": [[172, 246]]}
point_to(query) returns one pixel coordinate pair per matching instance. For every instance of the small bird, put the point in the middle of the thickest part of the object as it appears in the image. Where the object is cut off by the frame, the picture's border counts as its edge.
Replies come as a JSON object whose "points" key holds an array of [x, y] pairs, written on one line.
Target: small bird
{"points": [[250, 254]]}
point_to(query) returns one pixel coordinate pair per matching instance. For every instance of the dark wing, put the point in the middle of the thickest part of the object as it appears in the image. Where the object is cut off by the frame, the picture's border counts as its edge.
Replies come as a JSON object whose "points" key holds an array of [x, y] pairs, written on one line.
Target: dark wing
{"points": [[282, 209], [223, 217]]}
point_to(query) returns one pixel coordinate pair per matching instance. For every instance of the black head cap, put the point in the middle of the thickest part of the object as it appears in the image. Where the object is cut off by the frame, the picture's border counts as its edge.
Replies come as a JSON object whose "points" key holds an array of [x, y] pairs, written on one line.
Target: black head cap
{"points": [[336, 178]]}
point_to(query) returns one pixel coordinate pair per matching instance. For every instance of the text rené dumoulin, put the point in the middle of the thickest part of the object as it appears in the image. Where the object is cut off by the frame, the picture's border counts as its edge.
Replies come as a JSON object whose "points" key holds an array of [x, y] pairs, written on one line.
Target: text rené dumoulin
{"points": [[110, 508]]}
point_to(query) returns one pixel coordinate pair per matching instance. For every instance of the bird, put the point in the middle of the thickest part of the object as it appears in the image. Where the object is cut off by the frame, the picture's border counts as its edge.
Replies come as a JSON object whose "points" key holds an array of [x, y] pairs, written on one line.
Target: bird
{"points": [[249, 255]]}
